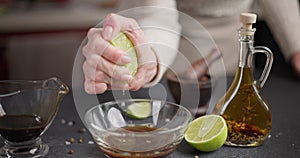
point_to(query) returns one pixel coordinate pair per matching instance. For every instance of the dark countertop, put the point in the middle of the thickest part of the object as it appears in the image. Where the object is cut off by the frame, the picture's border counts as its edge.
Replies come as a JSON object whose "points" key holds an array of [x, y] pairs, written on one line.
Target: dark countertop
{"points": [[281, 92]]}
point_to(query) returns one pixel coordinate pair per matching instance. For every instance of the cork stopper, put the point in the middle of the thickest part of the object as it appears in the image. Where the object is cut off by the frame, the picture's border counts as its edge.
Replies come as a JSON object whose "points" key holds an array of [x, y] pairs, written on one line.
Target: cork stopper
{"points": [[247, 19]]}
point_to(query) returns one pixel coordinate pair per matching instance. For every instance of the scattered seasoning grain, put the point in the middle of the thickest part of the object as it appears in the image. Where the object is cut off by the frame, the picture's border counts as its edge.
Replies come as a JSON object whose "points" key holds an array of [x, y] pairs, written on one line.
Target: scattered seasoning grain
{"points": [[91, 142], [67, 142], [63, 121], [82, 130], [71, 152], [80, 140], [72, 140], [71, 123]]}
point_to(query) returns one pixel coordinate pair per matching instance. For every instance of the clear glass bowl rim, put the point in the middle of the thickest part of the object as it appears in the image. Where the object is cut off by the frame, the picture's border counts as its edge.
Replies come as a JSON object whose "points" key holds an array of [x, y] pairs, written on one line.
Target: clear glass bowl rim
{"points": [[156, 132]]}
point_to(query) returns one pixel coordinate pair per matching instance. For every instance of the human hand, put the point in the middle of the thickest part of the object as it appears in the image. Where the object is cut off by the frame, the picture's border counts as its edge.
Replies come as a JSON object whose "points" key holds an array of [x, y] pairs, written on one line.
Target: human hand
{"points": [[104, 63], [295, 62]]}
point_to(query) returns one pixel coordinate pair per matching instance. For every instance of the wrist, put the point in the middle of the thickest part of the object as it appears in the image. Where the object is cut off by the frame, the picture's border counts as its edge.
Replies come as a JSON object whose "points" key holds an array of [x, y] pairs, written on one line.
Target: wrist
{"points": [[155, 71]]}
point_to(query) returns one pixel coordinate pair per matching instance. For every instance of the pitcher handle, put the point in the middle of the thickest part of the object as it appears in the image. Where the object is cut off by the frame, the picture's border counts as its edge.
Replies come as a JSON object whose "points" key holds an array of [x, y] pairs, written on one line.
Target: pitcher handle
{"points": [[269, 61]]}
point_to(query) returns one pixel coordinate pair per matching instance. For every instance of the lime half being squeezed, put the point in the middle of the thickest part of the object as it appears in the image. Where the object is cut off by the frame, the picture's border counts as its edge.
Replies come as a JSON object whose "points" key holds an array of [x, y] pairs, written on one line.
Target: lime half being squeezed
{"points": [[121, 41]]}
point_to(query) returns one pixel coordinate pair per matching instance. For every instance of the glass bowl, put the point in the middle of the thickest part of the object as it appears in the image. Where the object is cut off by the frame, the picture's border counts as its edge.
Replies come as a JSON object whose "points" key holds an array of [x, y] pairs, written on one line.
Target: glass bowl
{"points": [[193, 94], [121, 135], [27, 109]]}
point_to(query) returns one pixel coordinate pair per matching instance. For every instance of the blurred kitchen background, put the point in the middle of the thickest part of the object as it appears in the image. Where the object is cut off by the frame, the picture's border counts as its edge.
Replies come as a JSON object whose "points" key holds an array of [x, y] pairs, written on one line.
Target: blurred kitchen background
{"points": [[40, 38]]}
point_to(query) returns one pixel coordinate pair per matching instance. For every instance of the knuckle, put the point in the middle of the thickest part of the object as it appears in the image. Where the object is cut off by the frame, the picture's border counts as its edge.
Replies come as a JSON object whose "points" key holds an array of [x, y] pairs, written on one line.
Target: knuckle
{"points": [[93, 60], [89, 72], [85, 67], [106, 49], [132, 22], [135, 28], [110, 15], [91, 32], [88, 87], [85, 51], [109, 18]]}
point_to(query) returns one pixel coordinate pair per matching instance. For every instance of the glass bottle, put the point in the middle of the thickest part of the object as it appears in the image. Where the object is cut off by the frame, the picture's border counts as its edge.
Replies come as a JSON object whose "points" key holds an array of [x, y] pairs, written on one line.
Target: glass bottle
{"points": [[246, 112]]}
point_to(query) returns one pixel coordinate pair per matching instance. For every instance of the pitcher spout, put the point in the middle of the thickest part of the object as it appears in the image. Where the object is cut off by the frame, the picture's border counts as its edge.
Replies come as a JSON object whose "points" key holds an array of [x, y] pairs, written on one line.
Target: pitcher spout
{"points": [[56, 83]]}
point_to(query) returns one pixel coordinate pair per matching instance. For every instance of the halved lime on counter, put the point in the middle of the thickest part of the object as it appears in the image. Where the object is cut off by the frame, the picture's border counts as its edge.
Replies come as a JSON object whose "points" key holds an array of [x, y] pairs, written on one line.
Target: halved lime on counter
{"points": [[139, 110], [121, 41], [207, 133]]}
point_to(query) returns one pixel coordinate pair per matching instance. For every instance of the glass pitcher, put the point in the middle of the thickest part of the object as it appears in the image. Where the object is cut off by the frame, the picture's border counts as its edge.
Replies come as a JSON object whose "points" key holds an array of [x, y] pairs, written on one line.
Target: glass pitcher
{"points": [[27, 109], [246, 112]]}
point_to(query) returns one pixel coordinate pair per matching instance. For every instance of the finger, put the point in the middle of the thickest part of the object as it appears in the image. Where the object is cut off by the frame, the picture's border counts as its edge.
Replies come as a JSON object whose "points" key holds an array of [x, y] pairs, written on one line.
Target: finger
{"points": [[102, 82], [114, 23], [119, 85], [102, 77], [97, 45], [88, 71], [114, 71], [92, 87], [115, 55], [95, 63], [94, 75], [144, 75]]}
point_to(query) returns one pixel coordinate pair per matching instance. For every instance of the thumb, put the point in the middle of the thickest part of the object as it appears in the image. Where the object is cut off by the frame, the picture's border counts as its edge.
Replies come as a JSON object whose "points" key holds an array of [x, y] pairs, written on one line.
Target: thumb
{"points": [[111, 27], [114, 24]]}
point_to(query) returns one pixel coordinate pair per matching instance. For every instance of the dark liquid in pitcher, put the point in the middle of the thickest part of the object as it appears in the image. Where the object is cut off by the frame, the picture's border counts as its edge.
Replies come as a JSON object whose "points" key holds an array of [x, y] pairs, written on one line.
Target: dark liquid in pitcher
{"points": [[20, 128], [138, 143]]}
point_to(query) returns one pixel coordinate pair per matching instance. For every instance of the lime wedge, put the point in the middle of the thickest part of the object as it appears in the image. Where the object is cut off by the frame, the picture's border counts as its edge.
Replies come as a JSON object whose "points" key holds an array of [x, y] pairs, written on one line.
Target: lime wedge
{"points": [[207, 133], [121, 41], [139, 110]]}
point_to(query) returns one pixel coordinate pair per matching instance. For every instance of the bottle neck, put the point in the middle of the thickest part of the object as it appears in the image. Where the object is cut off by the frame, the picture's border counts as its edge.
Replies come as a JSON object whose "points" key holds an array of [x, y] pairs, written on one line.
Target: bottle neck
{"points": [[246, 40]]}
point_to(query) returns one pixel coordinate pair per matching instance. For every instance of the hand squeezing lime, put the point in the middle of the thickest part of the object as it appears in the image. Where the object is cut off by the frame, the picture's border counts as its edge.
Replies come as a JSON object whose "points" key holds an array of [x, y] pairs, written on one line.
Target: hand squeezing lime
{"points": [[207, 133], [121, 41]]}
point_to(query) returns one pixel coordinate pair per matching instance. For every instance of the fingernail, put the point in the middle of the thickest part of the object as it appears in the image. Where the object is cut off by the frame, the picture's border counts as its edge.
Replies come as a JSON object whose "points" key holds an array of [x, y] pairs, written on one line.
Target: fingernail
{"points": [[107, 32], [126, 78], [125, 59]]}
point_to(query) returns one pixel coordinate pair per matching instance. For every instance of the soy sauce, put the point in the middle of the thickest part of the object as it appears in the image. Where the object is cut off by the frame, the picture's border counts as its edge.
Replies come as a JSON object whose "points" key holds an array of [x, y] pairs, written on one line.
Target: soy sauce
{"points": [[139, 147], [20, 128]]}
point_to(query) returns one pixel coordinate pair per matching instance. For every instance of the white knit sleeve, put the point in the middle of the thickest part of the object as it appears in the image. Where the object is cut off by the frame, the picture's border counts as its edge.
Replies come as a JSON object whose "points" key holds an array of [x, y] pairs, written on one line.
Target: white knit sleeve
{"points": [[284, 21]]}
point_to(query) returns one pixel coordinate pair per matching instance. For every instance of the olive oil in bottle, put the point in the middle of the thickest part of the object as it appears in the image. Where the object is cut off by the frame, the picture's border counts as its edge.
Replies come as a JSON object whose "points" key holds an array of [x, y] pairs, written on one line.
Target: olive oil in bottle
{"points": [[246, 112]]}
